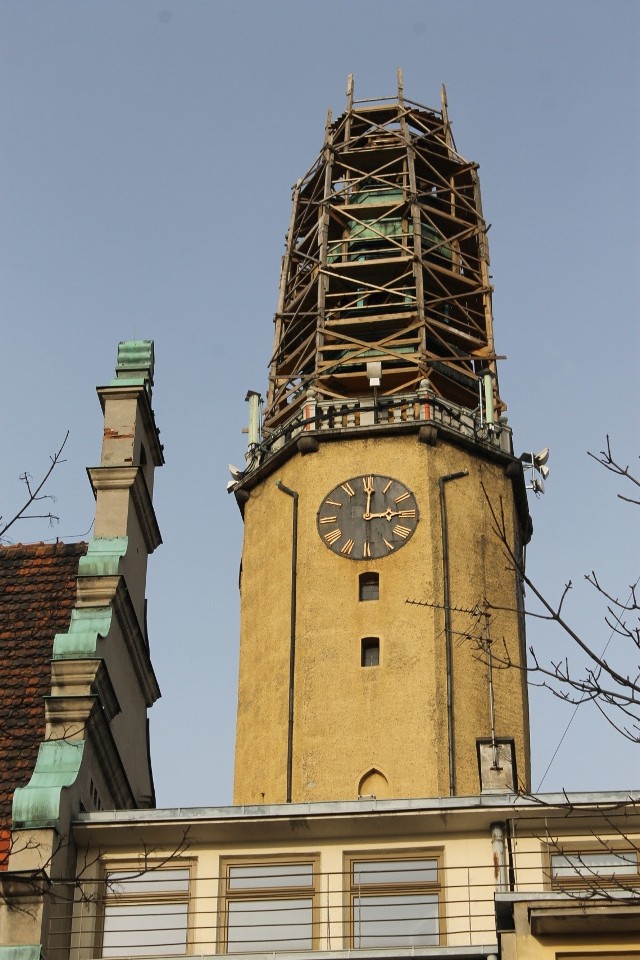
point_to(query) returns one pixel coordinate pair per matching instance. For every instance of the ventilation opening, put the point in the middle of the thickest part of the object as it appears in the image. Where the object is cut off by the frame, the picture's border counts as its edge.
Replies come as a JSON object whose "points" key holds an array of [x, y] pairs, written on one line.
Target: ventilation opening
{"points": [[370, 652], [369, 586]]}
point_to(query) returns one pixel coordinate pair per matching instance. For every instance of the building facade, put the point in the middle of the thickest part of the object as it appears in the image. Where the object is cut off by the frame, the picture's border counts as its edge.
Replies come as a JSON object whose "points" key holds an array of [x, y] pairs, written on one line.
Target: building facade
{"points": [[75, 731], [382, 801]]}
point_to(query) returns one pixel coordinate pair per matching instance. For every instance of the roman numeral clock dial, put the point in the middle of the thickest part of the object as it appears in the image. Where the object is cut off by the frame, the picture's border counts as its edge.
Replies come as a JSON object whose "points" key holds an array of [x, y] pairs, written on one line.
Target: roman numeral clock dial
{"points": [[367, 517]]}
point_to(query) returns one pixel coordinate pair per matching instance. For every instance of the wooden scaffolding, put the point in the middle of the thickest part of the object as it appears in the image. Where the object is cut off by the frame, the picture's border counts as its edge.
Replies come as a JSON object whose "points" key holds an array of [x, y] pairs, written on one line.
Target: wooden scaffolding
{"points": [[386, 262]]}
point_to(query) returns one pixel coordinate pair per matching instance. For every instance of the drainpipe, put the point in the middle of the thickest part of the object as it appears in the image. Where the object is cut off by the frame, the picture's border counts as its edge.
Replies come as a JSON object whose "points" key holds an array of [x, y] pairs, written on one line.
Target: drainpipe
{"points": [[447, 621], [499, 859], [292, 632]]}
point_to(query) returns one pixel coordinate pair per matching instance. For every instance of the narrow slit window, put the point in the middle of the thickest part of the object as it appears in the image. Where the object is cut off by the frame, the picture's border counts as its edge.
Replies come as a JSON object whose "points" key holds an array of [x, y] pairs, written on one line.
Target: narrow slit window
{"points": [[369, 586], [370, 652]]}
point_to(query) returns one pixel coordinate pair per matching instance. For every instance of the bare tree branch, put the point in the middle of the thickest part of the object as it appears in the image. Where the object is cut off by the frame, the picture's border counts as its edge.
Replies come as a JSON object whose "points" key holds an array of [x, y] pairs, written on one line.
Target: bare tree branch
{"points": [[616, 694], [607, 826], [608, 461], [35, 495]]}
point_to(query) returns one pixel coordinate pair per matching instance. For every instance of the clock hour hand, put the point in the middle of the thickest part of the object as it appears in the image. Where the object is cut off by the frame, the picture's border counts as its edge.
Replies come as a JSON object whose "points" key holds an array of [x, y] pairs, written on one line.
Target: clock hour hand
{"points": [[387, 515]]}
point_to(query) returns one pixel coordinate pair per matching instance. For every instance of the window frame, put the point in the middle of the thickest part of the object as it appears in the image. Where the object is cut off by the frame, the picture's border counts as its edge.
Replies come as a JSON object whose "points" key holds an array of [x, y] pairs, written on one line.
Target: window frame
{"points": [[368, 644], [352, 890], [366, 579], [226, 895], [591, 880], [142, 898]]}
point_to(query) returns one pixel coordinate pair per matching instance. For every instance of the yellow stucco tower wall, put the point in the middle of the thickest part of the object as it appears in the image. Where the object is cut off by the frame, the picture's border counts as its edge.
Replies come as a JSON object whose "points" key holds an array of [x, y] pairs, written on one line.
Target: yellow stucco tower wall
{"points": [[384, 366], [389, 721]]}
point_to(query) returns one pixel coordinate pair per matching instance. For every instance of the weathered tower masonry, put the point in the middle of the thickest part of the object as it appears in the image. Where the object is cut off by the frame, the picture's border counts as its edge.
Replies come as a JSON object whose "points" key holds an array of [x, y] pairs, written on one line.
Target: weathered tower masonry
{"points": [[373, 584]]}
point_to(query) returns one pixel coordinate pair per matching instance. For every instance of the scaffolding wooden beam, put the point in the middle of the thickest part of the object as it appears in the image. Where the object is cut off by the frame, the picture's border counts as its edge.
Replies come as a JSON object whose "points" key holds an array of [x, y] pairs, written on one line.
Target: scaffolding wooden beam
{"points": [[386, 259]]}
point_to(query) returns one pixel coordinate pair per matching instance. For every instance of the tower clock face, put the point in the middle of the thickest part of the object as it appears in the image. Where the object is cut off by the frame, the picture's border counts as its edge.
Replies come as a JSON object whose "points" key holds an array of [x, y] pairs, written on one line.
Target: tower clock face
{"points": [[368, 517]]}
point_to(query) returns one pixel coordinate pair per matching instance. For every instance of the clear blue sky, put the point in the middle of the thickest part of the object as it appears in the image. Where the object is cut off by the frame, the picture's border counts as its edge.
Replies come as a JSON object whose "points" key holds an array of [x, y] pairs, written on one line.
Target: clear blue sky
{"points": [[147, 153]]}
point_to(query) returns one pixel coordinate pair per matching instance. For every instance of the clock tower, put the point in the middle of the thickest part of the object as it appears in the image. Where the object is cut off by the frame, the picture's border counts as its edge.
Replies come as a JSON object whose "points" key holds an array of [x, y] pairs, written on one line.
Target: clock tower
{"points": [[375, 592]]}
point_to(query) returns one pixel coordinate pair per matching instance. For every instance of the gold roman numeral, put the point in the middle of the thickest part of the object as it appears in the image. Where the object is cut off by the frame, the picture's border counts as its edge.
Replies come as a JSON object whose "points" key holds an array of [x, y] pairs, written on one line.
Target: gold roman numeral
{"points": [[387, 486], [348, 489], [334, 503], [366, 549], [401, 531], [403, 496], [332, 536], [328, 519], [407, 513], [388, 545], [348, 547]]}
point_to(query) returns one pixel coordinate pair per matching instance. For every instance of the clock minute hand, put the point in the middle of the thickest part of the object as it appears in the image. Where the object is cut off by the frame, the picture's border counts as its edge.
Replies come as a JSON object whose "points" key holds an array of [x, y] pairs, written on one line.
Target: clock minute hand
{"points": [[369, 489]]}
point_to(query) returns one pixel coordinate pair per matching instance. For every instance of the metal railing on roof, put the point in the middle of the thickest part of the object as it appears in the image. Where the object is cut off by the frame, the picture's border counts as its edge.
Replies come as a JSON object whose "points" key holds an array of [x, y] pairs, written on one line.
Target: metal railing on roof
{"points": [[177, 911], [311, 416], [385, 901]]}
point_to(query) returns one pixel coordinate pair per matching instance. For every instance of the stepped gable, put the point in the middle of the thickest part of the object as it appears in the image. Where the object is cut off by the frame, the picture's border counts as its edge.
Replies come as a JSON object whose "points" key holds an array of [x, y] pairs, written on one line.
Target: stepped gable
{"points": [[37, 594]]}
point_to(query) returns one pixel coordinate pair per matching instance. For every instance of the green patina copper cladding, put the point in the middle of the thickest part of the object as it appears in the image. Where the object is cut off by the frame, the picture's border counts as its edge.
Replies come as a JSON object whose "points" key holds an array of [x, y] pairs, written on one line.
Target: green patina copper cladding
{"points": [[30, 951], [103, 557], [57, 766], [39, 803], [135, 363], [88, 623], [81, 639]]}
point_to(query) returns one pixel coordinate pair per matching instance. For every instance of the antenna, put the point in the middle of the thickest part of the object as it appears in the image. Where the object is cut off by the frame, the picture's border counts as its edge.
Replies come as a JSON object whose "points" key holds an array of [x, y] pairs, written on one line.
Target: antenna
{"points": [[483, 641], [536, 462], [486, 404]]}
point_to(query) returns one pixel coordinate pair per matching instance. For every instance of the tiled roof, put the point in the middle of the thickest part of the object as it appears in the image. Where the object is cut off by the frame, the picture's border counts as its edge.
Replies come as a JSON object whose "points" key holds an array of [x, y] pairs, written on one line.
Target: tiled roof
{"points": [[37, 594]]}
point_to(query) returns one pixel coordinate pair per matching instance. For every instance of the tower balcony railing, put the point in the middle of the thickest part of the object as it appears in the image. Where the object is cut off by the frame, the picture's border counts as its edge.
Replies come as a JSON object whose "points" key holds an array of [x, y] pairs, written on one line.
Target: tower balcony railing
{"points": [[383, 413]]}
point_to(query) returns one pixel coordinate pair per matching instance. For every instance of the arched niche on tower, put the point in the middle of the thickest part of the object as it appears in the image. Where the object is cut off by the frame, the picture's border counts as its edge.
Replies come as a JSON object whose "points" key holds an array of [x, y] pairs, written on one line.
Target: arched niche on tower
{"points": [[374, 784]]}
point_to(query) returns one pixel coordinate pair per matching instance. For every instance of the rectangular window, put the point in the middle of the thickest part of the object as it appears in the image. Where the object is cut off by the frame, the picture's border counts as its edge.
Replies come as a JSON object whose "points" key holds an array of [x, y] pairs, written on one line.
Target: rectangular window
{"points": [[145, 912], [269, 905], [593, 867], [370, 652], [369, 586], [394, 901]]}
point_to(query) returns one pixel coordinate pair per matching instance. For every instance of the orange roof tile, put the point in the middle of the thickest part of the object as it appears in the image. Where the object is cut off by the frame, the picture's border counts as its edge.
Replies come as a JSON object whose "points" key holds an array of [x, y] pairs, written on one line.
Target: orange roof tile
{"points": [[37, 594]]}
